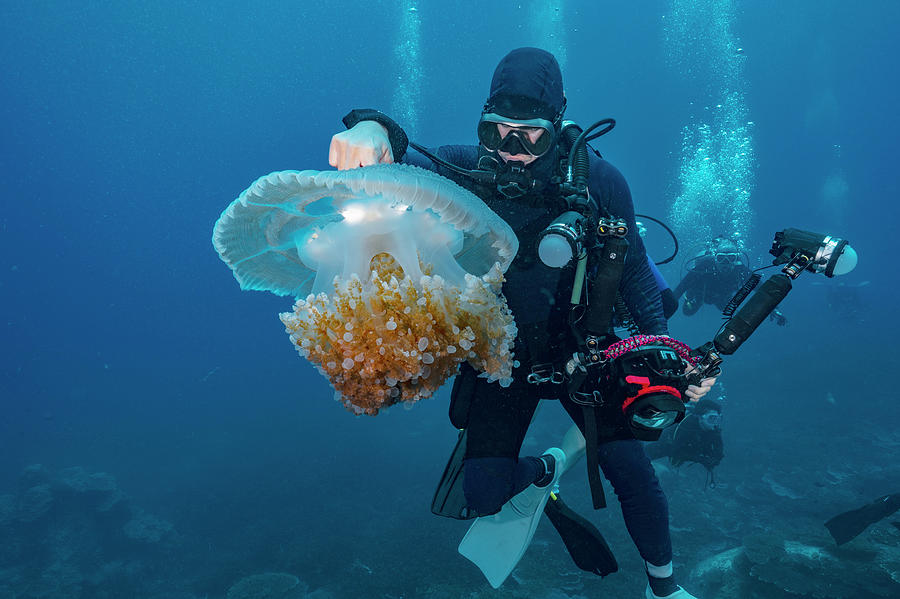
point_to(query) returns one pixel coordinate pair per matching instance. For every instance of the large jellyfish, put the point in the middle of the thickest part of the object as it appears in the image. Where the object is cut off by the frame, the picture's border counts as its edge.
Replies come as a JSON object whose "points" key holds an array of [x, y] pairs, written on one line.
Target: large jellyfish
{"points": [[397, 272]]}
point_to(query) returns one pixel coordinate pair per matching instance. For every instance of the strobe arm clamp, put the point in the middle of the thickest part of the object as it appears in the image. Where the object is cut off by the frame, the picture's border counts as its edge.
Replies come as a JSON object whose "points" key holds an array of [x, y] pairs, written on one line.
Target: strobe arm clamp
{"points": [[708, 366], [577, 198]]}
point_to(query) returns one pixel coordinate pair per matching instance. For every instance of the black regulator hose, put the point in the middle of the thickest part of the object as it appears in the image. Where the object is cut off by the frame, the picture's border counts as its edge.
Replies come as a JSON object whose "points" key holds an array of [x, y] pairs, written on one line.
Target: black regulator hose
{"points": [[586, 135], [669, 231], [578, 157], [479, 176]]}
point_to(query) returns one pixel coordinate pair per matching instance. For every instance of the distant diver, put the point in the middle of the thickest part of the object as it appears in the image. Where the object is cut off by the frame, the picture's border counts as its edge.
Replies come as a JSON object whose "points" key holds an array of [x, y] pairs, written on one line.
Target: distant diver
{"points": [[713, 277], [697, 438]]}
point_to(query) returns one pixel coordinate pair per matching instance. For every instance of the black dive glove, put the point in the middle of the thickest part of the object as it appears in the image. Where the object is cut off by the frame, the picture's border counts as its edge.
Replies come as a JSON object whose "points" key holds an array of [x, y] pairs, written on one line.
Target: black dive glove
{"points": [[396, 136]]}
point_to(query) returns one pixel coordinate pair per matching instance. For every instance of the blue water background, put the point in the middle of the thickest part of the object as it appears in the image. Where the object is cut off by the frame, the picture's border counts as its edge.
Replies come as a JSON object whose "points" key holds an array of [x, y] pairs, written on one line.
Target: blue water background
{"points": [[127, 346]]}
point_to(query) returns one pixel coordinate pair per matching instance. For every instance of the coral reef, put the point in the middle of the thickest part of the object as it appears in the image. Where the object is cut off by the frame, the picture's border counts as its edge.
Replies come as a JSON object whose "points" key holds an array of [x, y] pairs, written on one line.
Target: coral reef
{"points": [[74, 533], [146, 528], [271, 585], [274, 585], [768, 566]]}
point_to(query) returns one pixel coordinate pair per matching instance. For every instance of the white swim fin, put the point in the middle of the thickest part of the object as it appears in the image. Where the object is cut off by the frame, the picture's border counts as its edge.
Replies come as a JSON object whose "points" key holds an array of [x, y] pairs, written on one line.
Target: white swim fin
{"points": [[496, 543]]}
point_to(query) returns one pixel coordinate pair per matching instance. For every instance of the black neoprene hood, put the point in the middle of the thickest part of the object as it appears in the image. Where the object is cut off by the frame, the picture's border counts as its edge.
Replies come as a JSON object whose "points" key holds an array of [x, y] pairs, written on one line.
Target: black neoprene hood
{"points": [[527, 84]]}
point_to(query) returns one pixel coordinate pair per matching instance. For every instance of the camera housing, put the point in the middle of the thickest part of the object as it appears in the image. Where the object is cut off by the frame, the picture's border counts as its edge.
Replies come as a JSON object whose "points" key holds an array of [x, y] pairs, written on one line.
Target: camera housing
{"points": [[651, 381]]}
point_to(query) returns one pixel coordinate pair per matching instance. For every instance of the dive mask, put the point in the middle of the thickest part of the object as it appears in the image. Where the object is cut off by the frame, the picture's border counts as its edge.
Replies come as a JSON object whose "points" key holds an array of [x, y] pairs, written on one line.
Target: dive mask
{"points": [[728, 258], [711, 421], [515, 136]]}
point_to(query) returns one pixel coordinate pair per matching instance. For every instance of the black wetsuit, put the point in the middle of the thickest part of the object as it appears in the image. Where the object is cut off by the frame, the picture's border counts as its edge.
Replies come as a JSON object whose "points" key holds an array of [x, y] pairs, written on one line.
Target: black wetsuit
{"points": [[496, 418]]}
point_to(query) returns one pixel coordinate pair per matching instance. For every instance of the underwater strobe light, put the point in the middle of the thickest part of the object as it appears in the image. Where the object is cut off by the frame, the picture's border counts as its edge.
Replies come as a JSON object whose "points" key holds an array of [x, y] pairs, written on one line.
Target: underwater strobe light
{"points": [[814, 252], [562, 240]]}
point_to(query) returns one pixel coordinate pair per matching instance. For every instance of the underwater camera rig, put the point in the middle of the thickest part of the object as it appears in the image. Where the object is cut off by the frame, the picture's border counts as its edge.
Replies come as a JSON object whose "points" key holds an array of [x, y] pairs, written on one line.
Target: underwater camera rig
{"points": [[647, 376], [644, 370]]}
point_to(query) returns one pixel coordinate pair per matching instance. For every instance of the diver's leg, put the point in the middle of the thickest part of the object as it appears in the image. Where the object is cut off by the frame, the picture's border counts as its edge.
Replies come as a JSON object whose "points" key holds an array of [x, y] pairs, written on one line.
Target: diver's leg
{"points": [[497, 420], [644, 505], [645, 510], [489, 482]]}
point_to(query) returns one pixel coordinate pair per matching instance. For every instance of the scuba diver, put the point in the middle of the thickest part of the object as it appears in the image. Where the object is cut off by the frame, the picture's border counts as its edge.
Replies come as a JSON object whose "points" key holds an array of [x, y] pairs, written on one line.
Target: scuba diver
{"points": [[714, 276], [519, 170], [697, 438]]}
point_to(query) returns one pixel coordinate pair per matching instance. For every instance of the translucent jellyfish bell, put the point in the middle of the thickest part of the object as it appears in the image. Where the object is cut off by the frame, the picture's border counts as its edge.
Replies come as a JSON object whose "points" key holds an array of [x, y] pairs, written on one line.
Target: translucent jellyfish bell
{"points": [[397, 272], [379, 225], [292, 232]]}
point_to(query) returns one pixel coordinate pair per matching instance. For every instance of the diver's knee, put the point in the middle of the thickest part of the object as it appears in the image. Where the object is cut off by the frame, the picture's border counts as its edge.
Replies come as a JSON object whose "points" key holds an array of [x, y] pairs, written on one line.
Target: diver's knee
{"points": [[485, 502], [488, 484]]}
